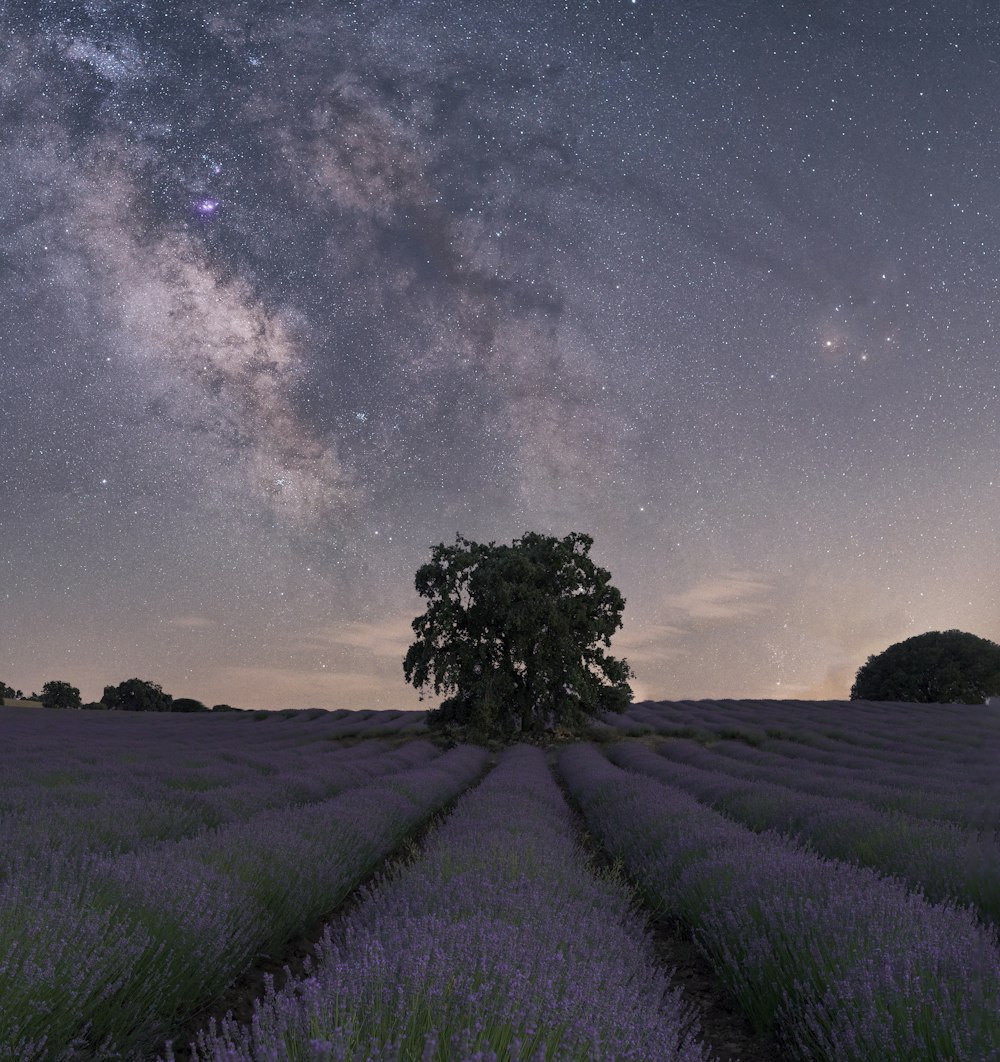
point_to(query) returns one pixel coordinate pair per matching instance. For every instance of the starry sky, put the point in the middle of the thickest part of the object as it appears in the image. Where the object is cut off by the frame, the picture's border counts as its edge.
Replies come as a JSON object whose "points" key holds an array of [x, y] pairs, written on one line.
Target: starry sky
{"points": [[293, 291]]}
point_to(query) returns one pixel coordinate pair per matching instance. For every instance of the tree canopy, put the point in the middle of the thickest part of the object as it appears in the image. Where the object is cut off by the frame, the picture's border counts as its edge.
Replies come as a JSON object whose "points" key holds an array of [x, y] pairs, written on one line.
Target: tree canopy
{"points": [[137, 695], [943, 667], [60, 695], [516, 635], [187, 704]]}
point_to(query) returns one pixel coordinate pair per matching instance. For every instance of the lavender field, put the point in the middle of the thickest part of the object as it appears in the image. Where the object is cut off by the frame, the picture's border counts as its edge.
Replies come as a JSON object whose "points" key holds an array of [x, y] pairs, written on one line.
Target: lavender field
{"points": [[835, 865]]}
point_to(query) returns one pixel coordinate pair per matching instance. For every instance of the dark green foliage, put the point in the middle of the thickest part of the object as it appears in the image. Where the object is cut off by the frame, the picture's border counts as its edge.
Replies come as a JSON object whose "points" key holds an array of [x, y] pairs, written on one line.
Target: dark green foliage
{"points": [[94, 706], [136, 695], [8, 693], [515, 635], [60, 695], [187, 704], [224, 708], [943, 667]]}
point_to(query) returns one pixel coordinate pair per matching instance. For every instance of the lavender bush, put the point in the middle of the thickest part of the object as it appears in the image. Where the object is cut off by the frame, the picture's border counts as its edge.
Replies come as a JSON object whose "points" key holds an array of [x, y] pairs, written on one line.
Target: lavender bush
{"points": [[499, 942], [844, 964]]}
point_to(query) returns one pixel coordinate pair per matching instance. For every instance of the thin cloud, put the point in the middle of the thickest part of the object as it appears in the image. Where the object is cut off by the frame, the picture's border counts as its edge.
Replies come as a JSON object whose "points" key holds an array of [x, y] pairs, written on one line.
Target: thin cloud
{"points": [[389, 638], [191, 623], [649, 643], [732, 595]]}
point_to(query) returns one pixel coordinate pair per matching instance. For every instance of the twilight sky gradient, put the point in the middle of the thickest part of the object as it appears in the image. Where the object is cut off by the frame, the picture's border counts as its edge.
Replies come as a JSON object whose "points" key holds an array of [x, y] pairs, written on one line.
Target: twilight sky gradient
{"points": [[292, 291]]}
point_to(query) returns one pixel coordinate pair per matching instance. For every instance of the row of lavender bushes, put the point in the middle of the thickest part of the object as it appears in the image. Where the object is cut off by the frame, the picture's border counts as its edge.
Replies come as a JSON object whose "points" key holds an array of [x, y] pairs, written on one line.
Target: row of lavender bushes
{"points": [[841, 963], [498, 942], [58, 858], [960, 733], [942, 859], [347, 723], [922, 790], [117, 809], [936, 761], [104, 963], [83, 781], [909, 757]]}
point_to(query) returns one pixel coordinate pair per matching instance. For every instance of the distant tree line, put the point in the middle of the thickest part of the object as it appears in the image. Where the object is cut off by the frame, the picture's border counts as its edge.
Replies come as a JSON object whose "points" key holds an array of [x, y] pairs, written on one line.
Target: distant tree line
{"points": [[132, 695]]}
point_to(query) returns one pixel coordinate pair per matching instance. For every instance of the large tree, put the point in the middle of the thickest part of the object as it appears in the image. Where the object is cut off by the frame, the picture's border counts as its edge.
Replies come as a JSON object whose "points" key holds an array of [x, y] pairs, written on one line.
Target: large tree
{"points": [[942, 667], [60, 695], [515, 636], [137, 695]]}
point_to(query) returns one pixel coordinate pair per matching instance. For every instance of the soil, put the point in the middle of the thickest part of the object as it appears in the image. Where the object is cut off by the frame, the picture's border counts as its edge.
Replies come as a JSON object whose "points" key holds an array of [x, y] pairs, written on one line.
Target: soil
{"points": [[725, 1029]]}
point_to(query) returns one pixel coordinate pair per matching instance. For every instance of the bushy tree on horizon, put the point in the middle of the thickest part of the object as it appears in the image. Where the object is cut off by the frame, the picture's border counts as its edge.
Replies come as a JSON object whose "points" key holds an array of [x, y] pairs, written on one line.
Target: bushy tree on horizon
{"points": [[516, 635], [942, 667], [60, 695], [137, 695], [187, 704]]}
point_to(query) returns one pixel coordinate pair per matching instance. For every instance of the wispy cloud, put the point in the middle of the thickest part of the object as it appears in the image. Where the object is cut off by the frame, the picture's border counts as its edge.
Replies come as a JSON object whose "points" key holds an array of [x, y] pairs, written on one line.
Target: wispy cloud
{"points": [[648, 643], [191, 623], [388, 638], [731, 595]]}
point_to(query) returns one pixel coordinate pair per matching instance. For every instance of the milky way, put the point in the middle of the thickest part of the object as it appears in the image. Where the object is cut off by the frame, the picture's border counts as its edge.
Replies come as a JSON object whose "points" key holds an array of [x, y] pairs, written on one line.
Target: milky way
{"points": [[293, 292]]}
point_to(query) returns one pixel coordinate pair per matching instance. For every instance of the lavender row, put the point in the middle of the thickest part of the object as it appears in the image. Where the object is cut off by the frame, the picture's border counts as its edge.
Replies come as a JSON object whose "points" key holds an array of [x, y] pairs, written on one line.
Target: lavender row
{"points": [[847, 760], [941, 859], [961, 733], [120, 813], [905, 762], [956, 743], [955, 767], [963, 806], [499, 942], [844, 965], [106, 965]]}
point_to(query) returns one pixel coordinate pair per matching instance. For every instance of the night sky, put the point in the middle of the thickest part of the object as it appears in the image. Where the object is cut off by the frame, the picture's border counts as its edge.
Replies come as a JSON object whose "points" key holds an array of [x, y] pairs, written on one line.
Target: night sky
{"points": [[291, 292]]}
